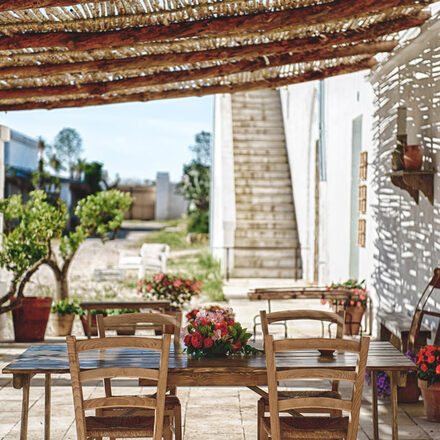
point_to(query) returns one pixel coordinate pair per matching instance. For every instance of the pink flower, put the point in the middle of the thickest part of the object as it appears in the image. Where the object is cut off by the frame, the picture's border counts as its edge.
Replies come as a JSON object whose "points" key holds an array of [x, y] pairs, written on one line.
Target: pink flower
{"points": [[159, 276], [148, 287], [236, 346], [323, 301], [216, 335], [177, 283]]}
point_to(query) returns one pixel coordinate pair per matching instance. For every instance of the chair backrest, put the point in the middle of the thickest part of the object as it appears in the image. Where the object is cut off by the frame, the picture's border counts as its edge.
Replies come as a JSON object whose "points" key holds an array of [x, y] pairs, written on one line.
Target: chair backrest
{"points": [[420, 312], [315, 315], [79, 377], [274, 376], [154, 250], [142, 321]]}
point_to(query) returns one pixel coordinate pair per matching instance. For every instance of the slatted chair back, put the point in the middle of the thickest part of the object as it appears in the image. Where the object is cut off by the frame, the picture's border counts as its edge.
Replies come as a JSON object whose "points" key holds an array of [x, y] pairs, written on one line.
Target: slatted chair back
{"points": [[326, 404], [142, 321], [420, 312], [78, 378], [315, 315]]}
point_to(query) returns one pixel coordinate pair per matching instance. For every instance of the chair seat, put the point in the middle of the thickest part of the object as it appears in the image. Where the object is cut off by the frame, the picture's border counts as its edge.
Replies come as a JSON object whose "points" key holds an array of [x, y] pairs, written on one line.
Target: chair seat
{"points": [[134, 426], [292, 394], [328, 428]]}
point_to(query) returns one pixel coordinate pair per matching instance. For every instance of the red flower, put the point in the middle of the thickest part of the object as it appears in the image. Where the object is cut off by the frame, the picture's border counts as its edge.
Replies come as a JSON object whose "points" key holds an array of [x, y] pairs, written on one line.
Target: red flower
{"points": [[177, 283], [187, 340], [231, 323], [222, 326], [437, 369], [424, 368], [148, 287], [197, 340], [205, 322], [159, 277], [431, 359], [236, 346], [208, 342]]}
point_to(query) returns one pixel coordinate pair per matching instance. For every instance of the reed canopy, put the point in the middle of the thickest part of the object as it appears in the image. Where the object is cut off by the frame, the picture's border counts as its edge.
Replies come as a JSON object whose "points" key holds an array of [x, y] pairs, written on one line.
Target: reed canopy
{"points": [[74, 53]]}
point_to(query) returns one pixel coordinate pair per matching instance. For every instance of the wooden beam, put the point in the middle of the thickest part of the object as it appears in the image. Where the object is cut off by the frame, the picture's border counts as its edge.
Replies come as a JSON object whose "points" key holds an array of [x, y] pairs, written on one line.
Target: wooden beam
{"points": [[371, 32], [201, 91], [121, 85], [213, 27]]}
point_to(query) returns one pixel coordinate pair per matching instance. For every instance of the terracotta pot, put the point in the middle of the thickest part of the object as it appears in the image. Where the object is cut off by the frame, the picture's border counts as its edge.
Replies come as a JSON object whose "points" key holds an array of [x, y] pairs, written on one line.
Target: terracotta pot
{"points": [[94, 329], [412, 157], [30, 319], [127, 331], [63, 324], [411, 392], [353, 318], [431, 400]]}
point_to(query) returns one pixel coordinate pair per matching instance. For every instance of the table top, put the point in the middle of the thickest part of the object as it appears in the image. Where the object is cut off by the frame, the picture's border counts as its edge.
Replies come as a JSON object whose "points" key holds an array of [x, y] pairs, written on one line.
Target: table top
{"points": [[53, 359], [300, 293], [96, 305]]}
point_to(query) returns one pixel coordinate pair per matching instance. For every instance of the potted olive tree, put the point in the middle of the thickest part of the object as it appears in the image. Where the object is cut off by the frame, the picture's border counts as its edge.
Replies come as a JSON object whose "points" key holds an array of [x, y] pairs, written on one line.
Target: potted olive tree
{"points": [[63, 315]]}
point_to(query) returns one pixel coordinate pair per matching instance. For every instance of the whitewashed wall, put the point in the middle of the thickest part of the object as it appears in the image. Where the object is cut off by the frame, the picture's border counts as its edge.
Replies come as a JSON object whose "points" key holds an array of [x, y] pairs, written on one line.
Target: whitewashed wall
{"points": [[21, 151], [407, 246], [345, 98]]}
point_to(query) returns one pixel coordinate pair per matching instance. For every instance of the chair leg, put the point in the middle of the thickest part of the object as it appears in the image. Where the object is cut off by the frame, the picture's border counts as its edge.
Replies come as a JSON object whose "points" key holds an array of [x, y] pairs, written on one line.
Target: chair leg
{"points": [[178, 423], [167, 433], [260, 415]]}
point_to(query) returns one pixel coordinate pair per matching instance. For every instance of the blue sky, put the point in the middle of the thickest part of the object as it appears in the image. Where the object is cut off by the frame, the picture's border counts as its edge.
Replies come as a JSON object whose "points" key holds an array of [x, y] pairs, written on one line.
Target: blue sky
{"points": [[135, 140]]}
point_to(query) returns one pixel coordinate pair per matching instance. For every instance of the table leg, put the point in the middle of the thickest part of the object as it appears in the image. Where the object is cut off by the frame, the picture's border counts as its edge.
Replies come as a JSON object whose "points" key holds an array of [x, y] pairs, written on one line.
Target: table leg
{"points": [[89, 324], [395, 429], [47, 398], [25, 407], [374, 402]]}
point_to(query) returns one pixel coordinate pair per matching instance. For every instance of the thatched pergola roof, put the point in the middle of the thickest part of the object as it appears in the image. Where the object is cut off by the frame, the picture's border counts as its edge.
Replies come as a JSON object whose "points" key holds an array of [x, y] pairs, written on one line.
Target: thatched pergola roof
{"points": [[73, 53]]}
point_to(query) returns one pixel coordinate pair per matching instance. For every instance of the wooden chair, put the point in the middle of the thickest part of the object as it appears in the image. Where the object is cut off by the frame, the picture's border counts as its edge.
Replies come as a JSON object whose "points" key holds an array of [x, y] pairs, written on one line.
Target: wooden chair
{"points": [[288, 315], [313, 427], [142, 321], [132, 422]]}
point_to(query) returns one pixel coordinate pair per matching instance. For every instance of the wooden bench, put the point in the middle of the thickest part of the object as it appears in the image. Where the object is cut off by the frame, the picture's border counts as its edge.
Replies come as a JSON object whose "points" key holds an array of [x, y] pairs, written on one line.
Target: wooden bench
{"points": [[396, 326]]}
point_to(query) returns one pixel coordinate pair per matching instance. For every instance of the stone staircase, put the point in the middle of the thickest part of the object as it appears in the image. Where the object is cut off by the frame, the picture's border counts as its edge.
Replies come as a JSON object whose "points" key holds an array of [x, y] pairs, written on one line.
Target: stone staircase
{"points": [[266, 238]]}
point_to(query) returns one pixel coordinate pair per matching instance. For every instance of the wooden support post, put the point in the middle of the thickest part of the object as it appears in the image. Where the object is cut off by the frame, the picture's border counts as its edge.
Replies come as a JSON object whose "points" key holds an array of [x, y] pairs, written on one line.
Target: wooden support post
{"points": [[374, 402], [89, 323], [47, 409]]}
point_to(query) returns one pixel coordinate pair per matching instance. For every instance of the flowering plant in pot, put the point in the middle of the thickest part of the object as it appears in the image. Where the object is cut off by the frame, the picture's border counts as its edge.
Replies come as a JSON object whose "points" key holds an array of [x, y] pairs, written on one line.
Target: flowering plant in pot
{"points": [[227, 313], [177, 290], [63, 313], [428, 372], [354, 305], [212, 335]]}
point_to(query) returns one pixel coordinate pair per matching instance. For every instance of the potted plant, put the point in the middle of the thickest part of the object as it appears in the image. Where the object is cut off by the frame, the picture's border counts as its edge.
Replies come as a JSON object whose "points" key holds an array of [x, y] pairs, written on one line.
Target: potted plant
{"points": [[211, 334], [354, 306], [177, 290], [428, 372], [83, 318], [63, 314]]}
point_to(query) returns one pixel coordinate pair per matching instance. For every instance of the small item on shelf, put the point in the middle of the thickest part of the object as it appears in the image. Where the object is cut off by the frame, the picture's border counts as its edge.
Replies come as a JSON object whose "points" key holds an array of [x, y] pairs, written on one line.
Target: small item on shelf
{"points": [[211, 334], [412, 157], [327, 353], [397, 158]]}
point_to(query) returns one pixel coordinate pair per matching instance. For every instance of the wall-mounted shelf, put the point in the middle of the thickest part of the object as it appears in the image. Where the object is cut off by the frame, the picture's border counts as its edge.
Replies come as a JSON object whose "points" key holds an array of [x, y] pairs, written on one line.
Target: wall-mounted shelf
{"points": [[415, 181]]}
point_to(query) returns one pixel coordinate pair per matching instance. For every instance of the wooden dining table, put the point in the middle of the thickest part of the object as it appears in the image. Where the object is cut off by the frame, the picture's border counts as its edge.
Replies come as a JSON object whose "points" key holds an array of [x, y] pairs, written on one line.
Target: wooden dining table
{"points": [[248, 371]]}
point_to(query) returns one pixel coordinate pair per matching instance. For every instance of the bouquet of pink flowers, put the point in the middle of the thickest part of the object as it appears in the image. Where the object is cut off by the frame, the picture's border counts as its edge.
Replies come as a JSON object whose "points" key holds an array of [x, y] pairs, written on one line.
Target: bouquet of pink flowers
{"points": [[227, 312], [212, 334]]}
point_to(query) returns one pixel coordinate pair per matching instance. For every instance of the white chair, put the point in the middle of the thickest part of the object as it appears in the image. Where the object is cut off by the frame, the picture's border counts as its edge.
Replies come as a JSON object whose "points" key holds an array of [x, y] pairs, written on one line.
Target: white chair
{"points": [[152, 256]]}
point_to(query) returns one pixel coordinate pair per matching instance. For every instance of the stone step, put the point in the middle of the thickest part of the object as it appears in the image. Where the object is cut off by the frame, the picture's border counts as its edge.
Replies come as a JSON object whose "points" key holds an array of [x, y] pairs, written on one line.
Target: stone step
{"points": [[255, 190], [262, 199], [265, 233], [273, 206], [264, 216], [258, 125], [269, 118], [267, 135], [260, 148], [257, 158], [268, 182], [258, 243], [265, 175], [270, 254], [289, 224], [274, 262], [238, 272], [257, 166]]}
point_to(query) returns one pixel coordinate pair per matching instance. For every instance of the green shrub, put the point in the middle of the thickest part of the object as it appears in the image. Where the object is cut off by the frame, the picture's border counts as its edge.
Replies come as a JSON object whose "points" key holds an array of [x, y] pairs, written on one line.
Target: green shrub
{"points": [[66, 307], [199, 222]]}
